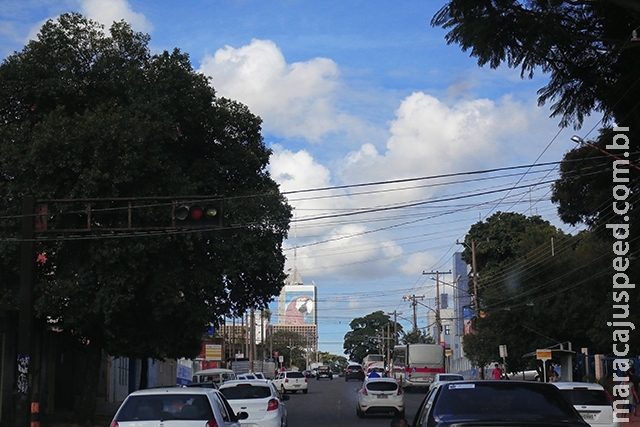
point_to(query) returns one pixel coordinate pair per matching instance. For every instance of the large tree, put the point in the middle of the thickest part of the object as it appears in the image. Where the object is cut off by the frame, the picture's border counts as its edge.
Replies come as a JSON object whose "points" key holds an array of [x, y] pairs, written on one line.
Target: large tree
{"points": [[89, 114], [367, 335], [537, 288]]}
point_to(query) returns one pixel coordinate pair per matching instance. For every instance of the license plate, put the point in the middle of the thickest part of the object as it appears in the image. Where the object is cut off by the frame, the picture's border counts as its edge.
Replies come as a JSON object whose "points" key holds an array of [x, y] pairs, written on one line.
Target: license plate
{"points": [[383, 396], [296, 385], [588, 416]]}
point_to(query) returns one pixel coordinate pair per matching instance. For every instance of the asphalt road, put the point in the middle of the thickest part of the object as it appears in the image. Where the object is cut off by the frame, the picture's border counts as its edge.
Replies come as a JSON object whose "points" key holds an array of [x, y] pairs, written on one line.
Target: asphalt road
{"points": [[332, 403]]}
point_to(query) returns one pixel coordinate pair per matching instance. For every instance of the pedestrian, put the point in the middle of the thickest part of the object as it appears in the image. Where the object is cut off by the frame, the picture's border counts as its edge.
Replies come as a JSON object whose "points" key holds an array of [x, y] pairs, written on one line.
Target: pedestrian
{"points": [[632, 397], [496, 374], [399, 422]]}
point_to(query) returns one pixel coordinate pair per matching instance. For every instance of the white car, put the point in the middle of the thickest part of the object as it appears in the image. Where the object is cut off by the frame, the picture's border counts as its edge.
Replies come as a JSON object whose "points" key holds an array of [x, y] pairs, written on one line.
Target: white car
{"points": [[259, 399], [291, 381], [176, 406], [591, 401], [438, 378], [380, 396]]}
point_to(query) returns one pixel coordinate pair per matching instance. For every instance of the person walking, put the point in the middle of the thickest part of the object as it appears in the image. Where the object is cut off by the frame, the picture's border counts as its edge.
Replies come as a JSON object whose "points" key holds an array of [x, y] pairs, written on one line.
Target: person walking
{"points": [[497, 373]]}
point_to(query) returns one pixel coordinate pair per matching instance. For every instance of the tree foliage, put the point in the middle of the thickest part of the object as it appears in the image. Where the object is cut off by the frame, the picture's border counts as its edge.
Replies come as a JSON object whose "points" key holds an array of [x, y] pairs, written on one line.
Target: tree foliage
{"points": [[586, 48], [367, 336], [89, 114], [537, 288], [417, 336]]}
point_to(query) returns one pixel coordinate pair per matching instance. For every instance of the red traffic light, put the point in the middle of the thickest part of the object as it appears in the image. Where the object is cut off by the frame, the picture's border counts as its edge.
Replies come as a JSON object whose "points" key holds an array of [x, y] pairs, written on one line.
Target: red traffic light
{"points": [[198, 215]]}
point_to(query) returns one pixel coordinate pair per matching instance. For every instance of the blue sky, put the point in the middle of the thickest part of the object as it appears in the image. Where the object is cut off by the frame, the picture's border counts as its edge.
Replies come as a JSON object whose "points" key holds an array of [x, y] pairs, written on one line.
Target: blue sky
{"points": [[353, 93]]}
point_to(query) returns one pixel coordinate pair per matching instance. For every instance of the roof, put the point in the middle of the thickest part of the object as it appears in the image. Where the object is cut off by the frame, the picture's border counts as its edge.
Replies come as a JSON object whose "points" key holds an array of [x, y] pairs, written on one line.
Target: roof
{"points": [[172, 390], [234, 383], [563, 385]]}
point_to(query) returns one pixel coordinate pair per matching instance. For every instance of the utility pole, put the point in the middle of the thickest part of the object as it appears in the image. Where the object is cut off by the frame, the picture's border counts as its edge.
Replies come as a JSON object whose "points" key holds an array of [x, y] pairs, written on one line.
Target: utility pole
{"points": [[414, 304], [438, 320], [476, 307]]}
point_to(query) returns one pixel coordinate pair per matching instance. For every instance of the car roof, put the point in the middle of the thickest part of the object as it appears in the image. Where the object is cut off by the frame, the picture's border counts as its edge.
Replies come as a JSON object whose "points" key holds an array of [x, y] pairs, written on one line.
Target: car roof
{"points": [[256, 382], [172, 390], [566, 385], [380, 379]]}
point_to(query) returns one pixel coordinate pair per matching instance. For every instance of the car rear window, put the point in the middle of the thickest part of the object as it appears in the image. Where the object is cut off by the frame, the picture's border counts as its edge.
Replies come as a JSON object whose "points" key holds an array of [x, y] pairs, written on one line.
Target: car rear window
{"points": [[583, 396], [450, 377], [246, 392], [324, 368], [382, 386], [514, 399], [295, 375], [165, 407]]}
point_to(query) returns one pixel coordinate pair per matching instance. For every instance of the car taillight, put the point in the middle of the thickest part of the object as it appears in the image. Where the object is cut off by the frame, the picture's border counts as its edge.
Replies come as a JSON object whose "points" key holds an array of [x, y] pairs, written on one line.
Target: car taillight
{"points": [[272, 405], [211, 423], [114, 424], [399, 391], [364, 391], [305, 379], [286, 380]]}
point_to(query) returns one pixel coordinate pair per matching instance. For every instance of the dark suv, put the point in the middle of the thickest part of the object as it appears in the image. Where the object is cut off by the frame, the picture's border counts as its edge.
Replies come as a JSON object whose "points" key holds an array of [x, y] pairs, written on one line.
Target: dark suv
{"points": [[324, 372], [354, 372]]}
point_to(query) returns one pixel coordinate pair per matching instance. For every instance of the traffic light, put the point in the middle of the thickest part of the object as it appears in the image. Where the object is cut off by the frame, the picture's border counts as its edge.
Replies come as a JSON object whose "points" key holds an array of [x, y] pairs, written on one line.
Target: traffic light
{"points": [[198, 214]]}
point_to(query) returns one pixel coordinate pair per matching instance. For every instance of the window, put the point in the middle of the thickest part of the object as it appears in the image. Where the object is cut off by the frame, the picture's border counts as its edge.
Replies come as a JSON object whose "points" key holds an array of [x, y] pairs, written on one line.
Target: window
{"points": [[447, 329]]}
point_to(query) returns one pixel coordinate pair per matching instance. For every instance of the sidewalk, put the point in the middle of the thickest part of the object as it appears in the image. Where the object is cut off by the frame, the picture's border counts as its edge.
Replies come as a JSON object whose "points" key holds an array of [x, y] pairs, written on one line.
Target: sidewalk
{"points": [[103, 417]]}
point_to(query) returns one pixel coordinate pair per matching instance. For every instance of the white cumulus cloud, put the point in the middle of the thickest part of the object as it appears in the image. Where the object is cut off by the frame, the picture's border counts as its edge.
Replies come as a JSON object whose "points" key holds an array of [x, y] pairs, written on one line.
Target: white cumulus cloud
{"points": [[294, 100]]}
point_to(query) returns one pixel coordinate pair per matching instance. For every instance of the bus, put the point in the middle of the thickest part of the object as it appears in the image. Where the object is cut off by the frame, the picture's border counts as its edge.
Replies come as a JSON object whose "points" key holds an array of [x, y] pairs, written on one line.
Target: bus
{"points": [[417, 364], [372, 361]]}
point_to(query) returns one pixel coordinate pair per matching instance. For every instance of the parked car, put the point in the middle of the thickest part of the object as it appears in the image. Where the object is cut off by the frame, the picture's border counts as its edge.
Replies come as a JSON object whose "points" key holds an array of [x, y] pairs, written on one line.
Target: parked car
{"points": [[438, 378], [380, 396], [354, 372], [324, 372], [489, 402], [259, 399], [195, 406], [591, 401], [291, 381]]}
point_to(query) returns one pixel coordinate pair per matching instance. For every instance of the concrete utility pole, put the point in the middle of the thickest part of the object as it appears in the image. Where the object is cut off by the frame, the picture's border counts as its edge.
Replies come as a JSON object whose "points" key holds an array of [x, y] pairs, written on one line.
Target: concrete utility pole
{"points": [[476, 307], [438, 320], [414, 304]]}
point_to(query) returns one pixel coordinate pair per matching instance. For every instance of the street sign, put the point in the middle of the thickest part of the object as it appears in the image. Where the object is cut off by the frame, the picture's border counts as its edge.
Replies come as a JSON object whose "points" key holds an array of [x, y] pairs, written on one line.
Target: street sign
{"points": [[503, 350], [543, 354]]}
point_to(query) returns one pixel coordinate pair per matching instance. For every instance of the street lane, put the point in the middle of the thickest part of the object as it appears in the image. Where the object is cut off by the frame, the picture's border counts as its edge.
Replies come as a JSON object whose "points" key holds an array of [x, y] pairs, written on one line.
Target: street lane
{"points": [[333, 403]]}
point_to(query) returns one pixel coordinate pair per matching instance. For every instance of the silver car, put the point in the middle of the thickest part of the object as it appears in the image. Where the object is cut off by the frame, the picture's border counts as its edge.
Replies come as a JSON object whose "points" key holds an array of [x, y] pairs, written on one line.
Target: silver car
{"points": [[176, 406]]}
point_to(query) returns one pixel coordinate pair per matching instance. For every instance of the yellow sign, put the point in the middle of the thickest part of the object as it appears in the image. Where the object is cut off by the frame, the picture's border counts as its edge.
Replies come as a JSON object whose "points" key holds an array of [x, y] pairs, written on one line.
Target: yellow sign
{"points": [[448, 352], [543, 354], [213, 352]]}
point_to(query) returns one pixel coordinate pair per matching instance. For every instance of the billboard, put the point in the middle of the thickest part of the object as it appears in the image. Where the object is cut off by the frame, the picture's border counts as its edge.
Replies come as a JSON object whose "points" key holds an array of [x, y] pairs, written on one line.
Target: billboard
{"points": [[297, 305]]}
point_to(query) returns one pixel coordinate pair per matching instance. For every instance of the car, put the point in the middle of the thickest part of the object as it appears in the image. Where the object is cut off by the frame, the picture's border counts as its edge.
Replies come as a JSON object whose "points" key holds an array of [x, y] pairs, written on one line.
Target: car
{"points": [[259, 399], [247, 376], [354, 372], [324, 372], [591, 401], [438, 378], [307, 373], [197, 406], [496, 402], [291, 381], [380, 396]]}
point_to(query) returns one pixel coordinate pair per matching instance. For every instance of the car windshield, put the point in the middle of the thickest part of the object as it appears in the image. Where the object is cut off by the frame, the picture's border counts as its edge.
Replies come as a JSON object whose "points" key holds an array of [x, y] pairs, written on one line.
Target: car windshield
{"points": [[165, 407], [504, 399], [382, 386], [582, 396], [246, 392]]}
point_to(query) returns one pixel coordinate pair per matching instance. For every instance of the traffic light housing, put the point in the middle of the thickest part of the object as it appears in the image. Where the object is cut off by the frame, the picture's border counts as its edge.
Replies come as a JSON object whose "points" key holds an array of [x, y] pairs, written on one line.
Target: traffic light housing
{"points": [[196, 214]]}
